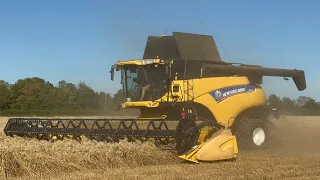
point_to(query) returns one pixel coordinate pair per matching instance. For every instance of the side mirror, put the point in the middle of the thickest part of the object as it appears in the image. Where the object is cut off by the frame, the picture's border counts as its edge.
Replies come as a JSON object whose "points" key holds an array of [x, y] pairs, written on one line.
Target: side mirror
{"points": [[112, 73]]}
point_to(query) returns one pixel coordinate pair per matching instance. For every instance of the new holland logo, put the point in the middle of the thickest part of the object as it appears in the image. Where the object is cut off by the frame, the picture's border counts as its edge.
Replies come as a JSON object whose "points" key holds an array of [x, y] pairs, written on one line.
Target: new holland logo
{"points": [[234, 91], [221, 94], [218, 95]]}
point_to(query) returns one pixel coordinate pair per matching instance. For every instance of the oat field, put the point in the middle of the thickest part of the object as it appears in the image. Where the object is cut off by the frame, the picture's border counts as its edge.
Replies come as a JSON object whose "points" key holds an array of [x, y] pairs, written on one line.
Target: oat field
{"points": [[294, 153]]}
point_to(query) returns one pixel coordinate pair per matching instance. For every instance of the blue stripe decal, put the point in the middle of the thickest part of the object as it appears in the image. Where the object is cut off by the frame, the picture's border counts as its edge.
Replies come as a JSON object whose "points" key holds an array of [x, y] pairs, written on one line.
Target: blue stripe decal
{"points": [[224, 93]]}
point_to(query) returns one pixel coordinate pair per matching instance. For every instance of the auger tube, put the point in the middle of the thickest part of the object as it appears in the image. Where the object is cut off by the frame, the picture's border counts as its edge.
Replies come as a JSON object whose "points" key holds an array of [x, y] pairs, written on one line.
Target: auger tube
{"points": [[253, 71]]}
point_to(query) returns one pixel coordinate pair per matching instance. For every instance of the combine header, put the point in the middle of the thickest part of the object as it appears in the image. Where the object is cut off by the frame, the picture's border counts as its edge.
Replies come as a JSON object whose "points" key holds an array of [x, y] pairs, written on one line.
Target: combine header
{"points": [[205, 108]]}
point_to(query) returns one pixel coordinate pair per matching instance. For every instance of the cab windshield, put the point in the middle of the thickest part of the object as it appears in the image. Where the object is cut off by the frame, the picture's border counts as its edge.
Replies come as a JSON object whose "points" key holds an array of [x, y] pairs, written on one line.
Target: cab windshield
{"points": [[144, 83]]}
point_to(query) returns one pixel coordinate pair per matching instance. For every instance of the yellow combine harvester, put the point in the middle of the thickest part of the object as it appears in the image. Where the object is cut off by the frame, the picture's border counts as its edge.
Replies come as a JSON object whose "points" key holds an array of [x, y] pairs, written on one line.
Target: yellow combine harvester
{"points": [[188, 98]]}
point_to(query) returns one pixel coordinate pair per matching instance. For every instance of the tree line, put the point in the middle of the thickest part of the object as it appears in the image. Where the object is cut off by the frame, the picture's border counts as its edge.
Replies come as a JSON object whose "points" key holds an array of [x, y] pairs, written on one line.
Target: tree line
{"points": [[32, 95], [36, 95], [303, 105]]}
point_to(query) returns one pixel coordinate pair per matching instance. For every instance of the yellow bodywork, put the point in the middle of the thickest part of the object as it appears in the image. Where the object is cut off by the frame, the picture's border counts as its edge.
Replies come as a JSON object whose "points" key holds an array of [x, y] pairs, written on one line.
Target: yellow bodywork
{"points": [[242, 96], [140, 104], [226, 110], [220, 146], [139, 62]]}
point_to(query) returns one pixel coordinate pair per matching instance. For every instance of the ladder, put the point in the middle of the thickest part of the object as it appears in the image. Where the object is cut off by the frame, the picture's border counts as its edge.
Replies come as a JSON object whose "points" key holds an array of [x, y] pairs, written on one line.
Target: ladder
{"points": [[188, 90]]}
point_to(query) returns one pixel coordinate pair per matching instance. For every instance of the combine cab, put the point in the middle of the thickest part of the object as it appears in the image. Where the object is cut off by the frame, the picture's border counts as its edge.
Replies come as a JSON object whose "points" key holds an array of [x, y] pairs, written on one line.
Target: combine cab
{"points": [[188, 98]]}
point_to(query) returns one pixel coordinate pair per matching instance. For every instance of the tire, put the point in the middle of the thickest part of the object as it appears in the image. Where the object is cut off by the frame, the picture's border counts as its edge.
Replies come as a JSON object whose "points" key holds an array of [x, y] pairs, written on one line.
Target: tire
{"points": [[251, 134], [185, 142]]}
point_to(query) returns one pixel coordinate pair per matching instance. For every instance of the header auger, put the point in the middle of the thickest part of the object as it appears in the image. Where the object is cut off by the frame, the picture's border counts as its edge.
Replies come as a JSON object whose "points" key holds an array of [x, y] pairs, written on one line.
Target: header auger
{"points": [[188, 98]]}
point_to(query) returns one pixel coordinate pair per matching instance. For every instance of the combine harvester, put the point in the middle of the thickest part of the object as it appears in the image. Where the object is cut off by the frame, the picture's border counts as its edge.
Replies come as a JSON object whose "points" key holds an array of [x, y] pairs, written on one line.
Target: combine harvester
{"points": [[188, 98]]}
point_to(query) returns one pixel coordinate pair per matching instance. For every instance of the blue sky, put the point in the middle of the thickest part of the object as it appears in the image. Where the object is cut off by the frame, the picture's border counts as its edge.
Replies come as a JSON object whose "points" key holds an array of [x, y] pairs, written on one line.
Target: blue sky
{"points": [[79, 40]]}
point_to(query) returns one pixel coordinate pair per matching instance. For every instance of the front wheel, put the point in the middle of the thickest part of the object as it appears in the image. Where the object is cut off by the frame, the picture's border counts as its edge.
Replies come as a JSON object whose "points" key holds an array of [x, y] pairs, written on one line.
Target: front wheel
{"points": [[185, 141], [251, 134]]}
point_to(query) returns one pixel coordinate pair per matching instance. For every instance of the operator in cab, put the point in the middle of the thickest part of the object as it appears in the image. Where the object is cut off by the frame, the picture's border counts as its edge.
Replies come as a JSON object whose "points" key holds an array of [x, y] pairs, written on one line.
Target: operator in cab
{"points": [[143, 81]]}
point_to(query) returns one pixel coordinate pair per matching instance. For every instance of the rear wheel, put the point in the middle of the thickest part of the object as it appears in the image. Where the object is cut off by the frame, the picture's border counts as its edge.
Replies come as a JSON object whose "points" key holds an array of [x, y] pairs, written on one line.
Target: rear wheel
{"points": [[251, 134], [258, 136]]}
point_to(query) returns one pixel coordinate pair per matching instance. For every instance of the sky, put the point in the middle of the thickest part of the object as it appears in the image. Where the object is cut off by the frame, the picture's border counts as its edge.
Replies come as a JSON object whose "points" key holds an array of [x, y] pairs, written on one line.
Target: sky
{"points": [[79, 40]]}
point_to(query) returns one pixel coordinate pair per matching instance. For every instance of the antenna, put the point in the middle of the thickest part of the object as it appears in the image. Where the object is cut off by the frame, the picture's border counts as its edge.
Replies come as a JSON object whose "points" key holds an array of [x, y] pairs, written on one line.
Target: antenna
{"points": [[165, 33]]}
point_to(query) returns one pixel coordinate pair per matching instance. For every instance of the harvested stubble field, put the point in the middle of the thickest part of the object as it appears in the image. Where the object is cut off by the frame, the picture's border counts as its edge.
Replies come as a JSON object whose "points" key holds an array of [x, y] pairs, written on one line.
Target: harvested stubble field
{"points": [[293, 154]]}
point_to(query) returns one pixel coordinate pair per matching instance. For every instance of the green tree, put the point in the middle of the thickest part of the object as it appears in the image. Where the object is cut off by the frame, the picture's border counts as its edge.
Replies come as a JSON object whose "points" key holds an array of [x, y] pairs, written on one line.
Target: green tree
{"points": [[274, 101], [312, 105], [65, 94], [302, 100], [5, 95], [119, 97], [32, 93], [287, 102], [86, 98]]}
